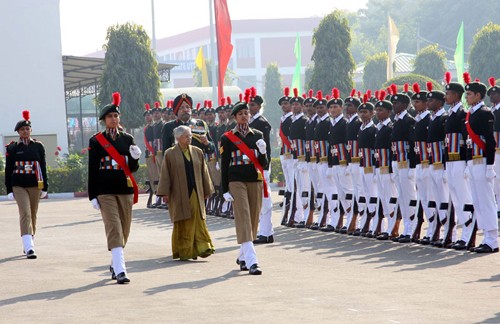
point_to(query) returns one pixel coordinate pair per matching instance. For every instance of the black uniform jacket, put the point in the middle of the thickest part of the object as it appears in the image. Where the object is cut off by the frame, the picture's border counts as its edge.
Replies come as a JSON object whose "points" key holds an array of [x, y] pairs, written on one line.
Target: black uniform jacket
{"points": [[262, 124], [481, 121], [197, 126], [402, 130], [17, 152], [233, 165], [104, 176]]}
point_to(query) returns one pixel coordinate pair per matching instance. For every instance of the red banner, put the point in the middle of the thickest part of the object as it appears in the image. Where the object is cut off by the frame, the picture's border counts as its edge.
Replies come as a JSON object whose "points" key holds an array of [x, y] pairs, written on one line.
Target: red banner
{"points": [[223, 30]]}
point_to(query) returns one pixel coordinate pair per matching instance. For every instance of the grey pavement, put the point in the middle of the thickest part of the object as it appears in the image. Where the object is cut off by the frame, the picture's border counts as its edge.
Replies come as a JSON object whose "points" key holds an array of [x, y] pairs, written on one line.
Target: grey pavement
{"points": [[308, 276]]}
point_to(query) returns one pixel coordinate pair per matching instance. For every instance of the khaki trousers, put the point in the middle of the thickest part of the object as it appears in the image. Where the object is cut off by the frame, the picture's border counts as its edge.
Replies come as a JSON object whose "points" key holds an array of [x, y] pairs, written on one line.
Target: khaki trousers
{"points": [[246, 207], [159, 161], [153, 174], [27, 201], [116, 211], [215, 174]]}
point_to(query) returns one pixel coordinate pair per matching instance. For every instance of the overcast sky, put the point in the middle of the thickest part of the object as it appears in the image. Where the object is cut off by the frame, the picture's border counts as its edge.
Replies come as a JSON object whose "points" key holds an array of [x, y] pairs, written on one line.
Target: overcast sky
{"points": [[84, 22]]}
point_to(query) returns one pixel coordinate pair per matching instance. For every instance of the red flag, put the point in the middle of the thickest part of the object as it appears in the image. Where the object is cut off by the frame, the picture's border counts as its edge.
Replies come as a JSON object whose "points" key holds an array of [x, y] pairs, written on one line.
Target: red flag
{"points": [[224, 47]]}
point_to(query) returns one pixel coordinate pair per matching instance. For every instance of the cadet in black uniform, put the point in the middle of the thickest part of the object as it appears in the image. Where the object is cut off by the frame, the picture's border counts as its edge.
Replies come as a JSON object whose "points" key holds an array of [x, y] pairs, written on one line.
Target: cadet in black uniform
{"points": [[242, 181], [480, 160], [437, 156], [366, 145], [26, 180], [423, 182], [150, 153], [212, 157], [310, 157], [111, 190], [403, 163], [286, 151], [297, 136], [494, 94], [321, 150], [259, 122], [201, 136]]}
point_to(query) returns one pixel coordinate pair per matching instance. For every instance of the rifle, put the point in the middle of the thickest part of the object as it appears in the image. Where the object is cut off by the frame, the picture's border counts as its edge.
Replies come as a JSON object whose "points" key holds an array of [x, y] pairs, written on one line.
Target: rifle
{"points": [[420, 220], [285, 206]]}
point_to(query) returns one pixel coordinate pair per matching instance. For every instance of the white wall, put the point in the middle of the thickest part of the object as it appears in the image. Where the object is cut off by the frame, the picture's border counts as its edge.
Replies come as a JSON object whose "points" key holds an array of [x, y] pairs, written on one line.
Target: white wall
{"points": [[31, 72]]}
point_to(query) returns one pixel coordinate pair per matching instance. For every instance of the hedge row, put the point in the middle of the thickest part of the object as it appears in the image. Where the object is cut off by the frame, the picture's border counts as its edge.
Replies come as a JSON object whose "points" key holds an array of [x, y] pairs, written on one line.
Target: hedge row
{"points": [[75, 179]]}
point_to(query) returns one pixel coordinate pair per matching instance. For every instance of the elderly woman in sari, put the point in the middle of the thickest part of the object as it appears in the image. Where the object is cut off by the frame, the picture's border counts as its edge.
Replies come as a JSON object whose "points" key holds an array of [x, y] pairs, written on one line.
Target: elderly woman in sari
{"points": [[184, 184]]}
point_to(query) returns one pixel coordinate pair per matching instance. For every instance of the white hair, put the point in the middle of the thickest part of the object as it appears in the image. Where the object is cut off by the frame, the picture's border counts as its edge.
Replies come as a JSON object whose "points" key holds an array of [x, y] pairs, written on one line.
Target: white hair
{"points": [[181, 130]]}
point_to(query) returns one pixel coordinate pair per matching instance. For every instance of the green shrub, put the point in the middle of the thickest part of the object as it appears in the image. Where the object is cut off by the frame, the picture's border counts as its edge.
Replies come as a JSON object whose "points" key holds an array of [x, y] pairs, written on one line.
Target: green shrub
{"points": [[276, 170], [2, 162], [3, 190]]}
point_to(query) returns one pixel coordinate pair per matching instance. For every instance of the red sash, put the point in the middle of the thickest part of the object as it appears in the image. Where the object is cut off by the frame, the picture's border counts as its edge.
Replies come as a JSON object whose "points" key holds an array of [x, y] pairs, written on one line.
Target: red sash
{"points": [[120, 160], [148, 146], [248, 152], [473, 136], [285, 139]]}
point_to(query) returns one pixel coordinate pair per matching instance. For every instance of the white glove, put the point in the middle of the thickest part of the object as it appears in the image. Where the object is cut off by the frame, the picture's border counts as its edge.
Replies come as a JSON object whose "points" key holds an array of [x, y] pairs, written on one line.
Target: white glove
{"points": [[95, 204], [348, 170], [10, 196], [445, 177], [227, 196], [261, 145], [43, 194], [412, 174], [490, 173], [135, 152], [329, 173]]}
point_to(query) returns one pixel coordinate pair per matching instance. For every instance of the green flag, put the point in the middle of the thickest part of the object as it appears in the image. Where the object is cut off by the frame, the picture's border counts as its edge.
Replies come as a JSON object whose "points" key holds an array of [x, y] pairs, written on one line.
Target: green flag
{"points": [[459, 54], [296, 74]]}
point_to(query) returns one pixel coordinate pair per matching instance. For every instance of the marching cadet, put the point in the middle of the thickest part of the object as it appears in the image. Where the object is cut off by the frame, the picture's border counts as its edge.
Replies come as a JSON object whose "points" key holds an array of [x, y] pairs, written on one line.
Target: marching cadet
{"points": [[311, 159], [113, 156], [480, 159], [385, 180], [221, 129], [260, 123], [182, 106], [26, 180], [351, 105], [423, 184], [403, 162], [212, 158], [494, 94], [202, 110], [300, 175], [411, 109], [286, 151], [157, 143], [437, 155], [243, 157], [150, 152], [338, 166], [195, 111], [366, 144], [231, 122], [170, 111], [459, 187], [321, 148], [164, 113]]}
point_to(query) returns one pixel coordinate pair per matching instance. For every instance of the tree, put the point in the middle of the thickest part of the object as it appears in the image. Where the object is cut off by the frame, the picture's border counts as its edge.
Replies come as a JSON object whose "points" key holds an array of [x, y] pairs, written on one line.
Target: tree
{"points": [[131, 69], [411, 79], [484, 59], [272, 92], [430, 61], [333, 62], [375, 71]]}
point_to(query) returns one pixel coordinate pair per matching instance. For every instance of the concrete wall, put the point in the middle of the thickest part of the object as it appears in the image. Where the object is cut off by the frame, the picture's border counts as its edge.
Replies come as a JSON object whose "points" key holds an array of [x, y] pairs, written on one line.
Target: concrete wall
{"points": [[31, 71]]}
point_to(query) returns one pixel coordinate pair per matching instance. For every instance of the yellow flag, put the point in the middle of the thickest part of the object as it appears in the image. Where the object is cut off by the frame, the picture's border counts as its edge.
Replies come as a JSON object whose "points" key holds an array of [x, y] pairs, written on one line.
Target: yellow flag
{"points": [[393, 43], [201, 64]]}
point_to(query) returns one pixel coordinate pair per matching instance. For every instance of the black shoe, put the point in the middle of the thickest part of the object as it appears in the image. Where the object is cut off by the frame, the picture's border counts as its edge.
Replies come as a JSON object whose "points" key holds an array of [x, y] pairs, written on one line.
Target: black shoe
{"points": [[368, 234], [498, 214], [300, 225], [31, 254], [484, 248], [122, 278], [314, 227], [343, 230], [113, 276], [357, 232], [439, 243], [405, 239], [328, 228], [383, 236], [255, 270], [261, 239], [459, 245], [243, 265]]}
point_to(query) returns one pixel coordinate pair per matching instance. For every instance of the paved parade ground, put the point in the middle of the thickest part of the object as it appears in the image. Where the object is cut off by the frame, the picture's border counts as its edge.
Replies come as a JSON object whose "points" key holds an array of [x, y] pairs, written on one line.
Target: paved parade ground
{"points": [[308, 276]]}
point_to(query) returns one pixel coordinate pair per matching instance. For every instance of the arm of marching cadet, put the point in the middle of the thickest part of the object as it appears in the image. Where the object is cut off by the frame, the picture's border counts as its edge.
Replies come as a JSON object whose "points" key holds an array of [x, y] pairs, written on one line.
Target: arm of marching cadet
{"points": [[43, 167], [411, 144], [166, 134], [224, 165], [93, 171], [210, 147], [263, 160], [489, 138], [208, 187], [267, 138], [133, 162], [9, 166]]}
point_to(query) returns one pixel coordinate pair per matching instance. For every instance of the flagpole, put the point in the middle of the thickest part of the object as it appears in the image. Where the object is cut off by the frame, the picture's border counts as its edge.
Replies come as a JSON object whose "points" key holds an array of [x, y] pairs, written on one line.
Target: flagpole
{"points": [[212, 54], [153, 21]]}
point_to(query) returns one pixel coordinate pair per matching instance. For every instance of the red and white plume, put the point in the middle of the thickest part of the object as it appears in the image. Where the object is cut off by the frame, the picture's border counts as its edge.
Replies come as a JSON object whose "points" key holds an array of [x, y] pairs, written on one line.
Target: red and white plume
{"points": [[492, 81], [248, 92], [26, 114], [116, 98], [253, 92], [222, 101], [198, 106], [157, 104], [353, 93], [382, 95], [147, 106], [416, 87], [394, 89], [335, 93], [229, 100], [406, 87], [319, 95], [286, 91], [429, 86], [310, 93], [365, 98], [369, 93], [466, 77], [295, 92]]}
